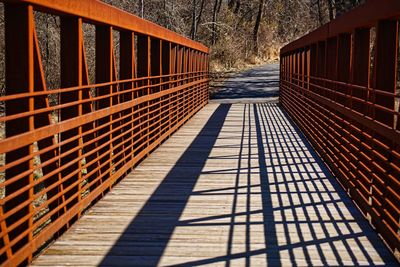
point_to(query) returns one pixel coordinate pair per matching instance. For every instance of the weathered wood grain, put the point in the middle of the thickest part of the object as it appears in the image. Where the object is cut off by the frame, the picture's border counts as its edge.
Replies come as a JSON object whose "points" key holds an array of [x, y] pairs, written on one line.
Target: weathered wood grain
{"points": [[237, 185]]}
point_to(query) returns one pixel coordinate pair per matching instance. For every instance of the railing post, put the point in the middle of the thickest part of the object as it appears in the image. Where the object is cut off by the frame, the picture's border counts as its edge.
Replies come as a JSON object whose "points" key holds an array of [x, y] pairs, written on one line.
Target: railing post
{"points": [[166, 62], [313, 66], [71, 75], [166, 72], [360, 75], [19, 28], [343, 65], [321, 66], [384, 80], [308, 67], [360, 68], [351, 118], [179, 59], [127, 72], [67, 146], [143, 71], [155, 70], [331, 66], [104, 74], [172, 77], [385, 68], [303, 67]]}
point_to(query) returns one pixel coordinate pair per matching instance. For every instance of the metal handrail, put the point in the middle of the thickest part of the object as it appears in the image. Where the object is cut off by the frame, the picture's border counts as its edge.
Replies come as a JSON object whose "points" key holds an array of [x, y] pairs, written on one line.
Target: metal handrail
{"points": [[346, 101], [61, 157]]}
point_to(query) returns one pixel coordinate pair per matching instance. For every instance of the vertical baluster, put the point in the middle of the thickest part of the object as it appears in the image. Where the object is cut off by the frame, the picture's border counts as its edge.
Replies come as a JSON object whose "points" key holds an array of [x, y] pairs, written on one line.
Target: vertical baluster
{"points": [[104, 74], [331, 67], [321, 66], [290, 63], [307, 67], [360, 75], [127, 72], [19, 79], [71, 75], [118, 142], [313, 66], [298, 68], [179, 71], [303, 66], [41, 120], [89, 148], [143, 70], [172, 77], [165, 72], [384, 80], [360, 68], [385, 69], [343, 65]]}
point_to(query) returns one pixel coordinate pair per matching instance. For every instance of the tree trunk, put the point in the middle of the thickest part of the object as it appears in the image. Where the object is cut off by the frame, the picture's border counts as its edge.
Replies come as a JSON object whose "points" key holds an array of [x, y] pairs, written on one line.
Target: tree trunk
{"points": [[198, 19], [193, 29], [234, 4], [320, 19], [214, 21], [237, 7], [330, 7], [257, 26], [231, 3], [219, 5], [164, 16], [141, 8]]}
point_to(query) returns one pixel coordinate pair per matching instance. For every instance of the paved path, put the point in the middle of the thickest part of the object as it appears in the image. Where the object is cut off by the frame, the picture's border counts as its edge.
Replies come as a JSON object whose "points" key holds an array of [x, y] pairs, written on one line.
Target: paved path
{"points": [[236, 186], [259, 84]]}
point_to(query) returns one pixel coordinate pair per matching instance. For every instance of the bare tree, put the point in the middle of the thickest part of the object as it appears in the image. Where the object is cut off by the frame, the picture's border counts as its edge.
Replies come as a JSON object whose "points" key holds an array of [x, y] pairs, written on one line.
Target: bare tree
{"points": [[196, 18], [214, 22], [234, 5], [235, 30], [193, 30], [257, 26], [142, 8], [320, 17], [219, 5], [330, 8]]}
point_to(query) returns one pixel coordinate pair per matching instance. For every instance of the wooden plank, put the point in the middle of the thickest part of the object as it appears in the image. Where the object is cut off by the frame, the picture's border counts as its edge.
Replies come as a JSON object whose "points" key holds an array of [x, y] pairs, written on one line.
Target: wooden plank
{"points": [[237, 185]]}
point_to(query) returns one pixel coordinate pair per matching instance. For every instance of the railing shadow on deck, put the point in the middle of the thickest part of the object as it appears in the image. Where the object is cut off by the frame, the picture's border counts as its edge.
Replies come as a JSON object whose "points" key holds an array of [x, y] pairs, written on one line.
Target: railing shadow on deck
{"points": [[307, 217], [146, 223], [342, 224]]}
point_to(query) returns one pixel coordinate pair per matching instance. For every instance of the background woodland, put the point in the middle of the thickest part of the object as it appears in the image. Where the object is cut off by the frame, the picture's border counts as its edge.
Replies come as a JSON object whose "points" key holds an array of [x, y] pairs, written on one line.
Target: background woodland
{"points": [[239, 32]]}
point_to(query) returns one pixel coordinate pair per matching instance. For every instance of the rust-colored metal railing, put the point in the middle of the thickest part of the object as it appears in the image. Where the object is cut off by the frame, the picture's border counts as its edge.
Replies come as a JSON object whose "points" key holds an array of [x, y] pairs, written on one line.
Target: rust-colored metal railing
{"points": [[64, 154], [339, 84]]}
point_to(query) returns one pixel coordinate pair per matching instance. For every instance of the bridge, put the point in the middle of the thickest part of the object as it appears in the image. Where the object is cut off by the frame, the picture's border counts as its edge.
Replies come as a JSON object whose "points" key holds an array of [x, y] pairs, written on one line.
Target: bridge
{"points": [[141, 168]]}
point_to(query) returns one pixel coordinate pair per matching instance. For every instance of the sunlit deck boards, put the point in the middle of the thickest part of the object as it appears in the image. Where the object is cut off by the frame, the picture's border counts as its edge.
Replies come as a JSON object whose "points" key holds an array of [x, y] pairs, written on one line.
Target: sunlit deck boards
{"points": [[237, 185]]}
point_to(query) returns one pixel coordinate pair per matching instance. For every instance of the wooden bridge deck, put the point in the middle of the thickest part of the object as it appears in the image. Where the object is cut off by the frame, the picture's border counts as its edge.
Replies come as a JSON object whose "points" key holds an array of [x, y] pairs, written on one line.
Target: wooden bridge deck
{"points": [[237, 185]]}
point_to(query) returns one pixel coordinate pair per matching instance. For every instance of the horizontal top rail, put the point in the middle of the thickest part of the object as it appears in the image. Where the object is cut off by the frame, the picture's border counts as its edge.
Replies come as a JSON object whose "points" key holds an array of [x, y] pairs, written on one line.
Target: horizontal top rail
{"points": [[96, 11], [364, 16]]}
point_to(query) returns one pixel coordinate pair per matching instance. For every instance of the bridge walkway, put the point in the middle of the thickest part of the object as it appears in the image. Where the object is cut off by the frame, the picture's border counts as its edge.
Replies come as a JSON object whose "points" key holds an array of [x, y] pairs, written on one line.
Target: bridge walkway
{"points": [[237, 185]]}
